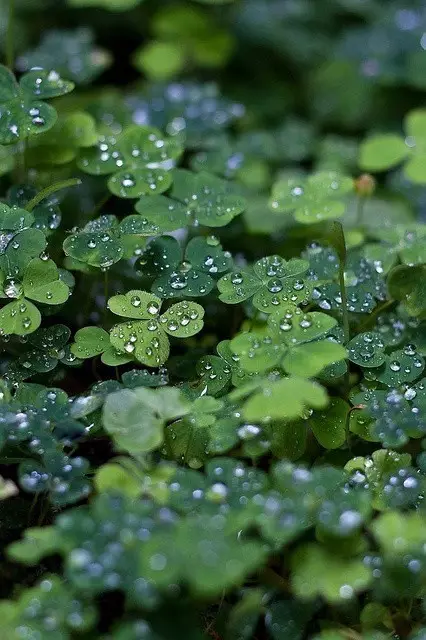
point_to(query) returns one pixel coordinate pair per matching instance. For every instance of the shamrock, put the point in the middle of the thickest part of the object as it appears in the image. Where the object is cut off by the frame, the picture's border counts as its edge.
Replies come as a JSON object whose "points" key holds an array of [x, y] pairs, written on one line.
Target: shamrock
{"points": [[72, 53], [318, 197], [140, 159], [104, 241], [144, 335], [293, 341], [385, 151], [364, 283], [47, 347], [271, 282], [180, 273], [21, 111], [195, 198], [42, 283], [90, 342]]}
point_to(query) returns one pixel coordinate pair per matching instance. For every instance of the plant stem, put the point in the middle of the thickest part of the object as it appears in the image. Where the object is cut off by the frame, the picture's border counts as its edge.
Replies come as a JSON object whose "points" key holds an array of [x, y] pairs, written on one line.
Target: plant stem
{"points": [[346, 328], [10, 36], [106, 293], [45, 193]]}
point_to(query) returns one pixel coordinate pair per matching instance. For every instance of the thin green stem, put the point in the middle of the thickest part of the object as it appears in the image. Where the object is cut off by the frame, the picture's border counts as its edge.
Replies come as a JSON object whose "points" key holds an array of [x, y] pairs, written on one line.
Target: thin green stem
{"points": [[345, 312], [45, 193], [10, 36], [105, 293]]}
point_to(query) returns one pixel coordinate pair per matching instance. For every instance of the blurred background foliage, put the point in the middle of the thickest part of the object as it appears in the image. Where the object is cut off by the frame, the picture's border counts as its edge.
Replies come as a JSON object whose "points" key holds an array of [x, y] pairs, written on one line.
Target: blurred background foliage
{"points": [[259, 88]]}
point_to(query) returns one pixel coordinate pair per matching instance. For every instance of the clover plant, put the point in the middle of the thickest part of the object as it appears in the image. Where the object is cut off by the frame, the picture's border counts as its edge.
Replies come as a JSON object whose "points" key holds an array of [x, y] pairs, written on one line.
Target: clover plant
{"points": [[212, 320]]}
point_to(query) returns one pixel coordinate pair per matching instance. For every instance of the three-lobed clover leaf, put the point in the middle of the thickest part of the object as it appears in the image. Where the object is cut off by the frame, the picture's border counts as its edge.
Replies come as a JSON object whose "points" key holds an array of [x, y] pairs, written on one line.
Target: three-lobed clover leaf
{"points": [[145, 335], [385, 151], [98, 244], [41, 282], [195, 198], [46, 348], [364, 284], [140, 160], [125, 411], [296, 341], [22, 112], [318, 197], [271, 281], [181, 273]]}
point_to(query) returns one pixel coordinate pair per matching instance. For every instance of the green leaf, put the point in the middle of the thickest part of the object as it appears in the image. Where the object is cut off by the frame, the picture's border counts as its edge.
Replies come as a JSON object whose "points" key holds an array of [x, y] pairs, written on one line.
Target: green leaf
{"points": [[90, 342], [382, 152], [114, 477], [144, 340], [308, 360], [183, 319], [136, 418], [41, 282], [329, 426], [140, 159], [407, 284], [272, 281], [319, 572], [399, 533], [212, 202], [19, 317], [97, 244], [402, 366], [319, 197], [37, 543], [135, 304], [22, 114], [285, 399], [366, 350]]}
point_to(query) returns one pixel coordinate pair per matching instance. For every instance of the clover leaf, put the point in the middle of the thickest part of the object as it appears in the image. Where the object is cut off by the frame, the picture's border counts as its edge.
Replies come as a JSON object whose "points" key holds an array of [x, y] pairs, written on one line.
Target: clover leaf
{"points": [[61, 144], [58, 606], [271, 281], [319, 572], [194, 199], [97, 244], [318, 197], [41, 282], [366, 350], [140, 160], [22, 112], [183, 273], [47, 347], [407, 284], [124, 410], [145, 336], [363, 283], [384, 151], [285, 399]]}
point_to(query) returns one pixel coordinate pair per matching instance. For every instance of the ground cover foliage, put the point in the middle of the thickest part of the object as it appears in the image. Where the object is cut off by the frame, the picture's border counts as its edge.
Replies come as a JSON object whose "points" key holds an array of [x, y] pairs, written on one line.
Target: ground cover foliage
{"points": [[212, 320]]}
